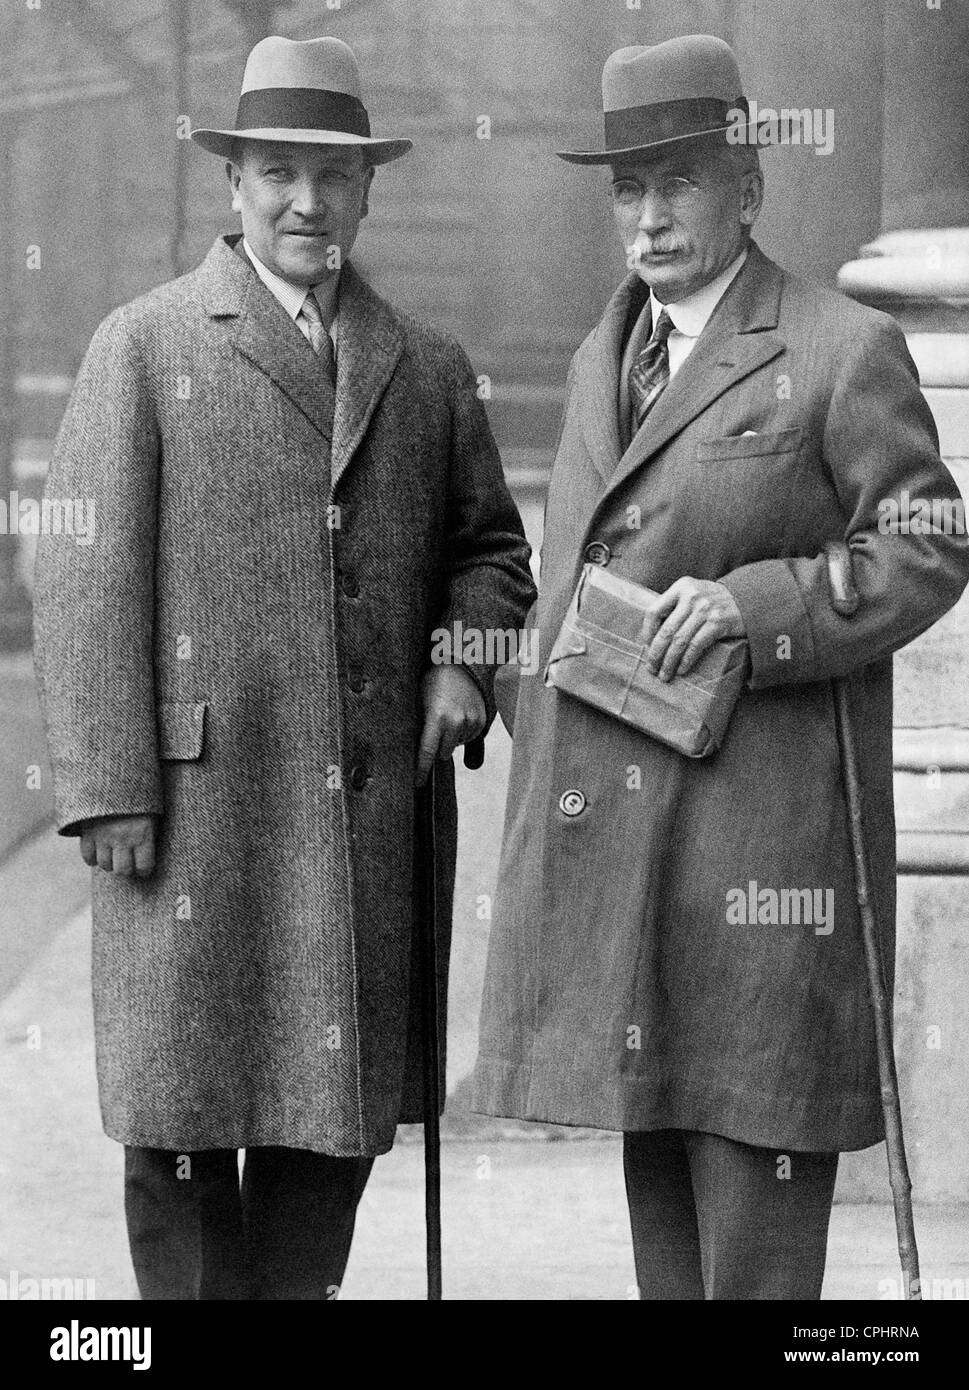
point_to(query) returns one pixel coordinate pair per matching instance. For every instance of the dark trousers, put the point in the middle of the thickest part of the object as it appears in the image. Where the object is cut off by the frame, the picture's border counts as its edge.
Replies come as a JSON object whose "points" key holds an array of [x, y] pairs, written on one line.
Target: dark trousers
{"points": [[715, 1219], [283, 1232]]}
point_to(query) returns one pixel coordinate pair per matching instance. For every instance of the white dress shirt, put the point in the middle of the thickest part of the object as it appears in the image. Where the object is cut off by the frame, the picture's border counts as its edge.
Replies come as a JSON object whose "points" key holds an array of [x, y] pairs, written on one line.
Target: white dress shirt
{"points": [[690, 315], [291, 296]]}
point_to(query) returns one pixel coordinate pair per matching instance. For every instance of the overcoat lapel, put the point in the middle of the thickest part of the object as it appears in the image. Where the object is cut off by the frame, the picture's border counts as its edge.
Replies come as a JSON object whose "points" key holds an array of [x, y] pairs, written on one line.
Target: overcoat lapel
{"points": [[737, 339], [265, 334], [370, 344], [371, 341], [598, 382]]}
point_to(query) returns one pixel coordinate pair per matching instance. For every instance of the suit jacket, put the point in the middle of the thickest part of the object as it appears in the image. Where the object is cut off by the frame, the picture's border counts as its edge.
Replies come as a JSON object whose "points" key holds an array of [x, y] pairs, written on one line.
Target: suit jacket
{"points": [[625, 987], [240, 652]]}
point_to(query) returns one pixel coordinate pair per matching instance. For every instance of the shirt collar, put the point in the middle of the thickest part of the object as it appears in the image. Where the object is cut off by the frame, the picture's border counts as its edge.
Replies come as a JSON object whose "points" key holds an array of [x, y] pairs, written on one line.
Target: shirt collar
{"points": [[690, 315], [291, 296]]}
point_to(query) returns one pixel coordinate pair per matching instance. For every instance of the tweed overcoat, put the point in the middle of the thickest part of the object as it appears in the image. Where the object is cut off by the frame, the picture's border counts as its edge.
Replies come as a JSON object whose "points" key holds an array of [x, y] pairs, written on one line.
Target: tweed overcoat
{"points": [[627, 987], [239, 652]]}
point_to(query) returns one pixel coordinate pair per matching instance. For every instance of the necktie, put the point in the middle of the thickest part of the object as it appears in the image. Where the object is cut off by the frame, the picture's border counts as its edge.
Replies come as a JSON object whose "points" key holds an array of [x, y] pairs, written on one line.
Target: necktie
{"points": [[650, 373], [320, 340]]}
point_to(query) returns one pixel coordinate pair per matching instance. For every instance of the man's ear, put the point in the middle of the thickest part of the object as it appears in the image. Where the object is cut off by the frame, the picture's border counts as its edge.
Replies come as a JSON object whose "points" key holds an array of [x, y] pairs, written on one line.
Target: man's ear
{"points": [[235, 178], [751, 197], [365, 200]]}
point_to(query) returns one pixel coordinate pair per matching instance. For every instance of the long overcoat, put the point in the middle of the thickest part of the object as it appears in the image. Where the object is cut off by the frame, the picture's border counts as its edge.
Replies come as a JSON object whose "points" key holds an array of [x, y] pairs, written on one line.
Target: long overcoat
{"points": [[240, 652], [644, 971]]}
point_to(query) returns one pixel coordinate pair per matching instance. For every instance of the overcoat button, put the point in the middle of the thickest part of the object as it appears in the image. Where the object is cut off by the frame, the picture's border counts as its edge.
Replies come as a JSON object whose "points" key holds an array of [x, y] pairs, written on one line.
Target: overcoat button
{"points": [[358, 777], [598, 553], [350, 586], [356, 682], [572, 803]]}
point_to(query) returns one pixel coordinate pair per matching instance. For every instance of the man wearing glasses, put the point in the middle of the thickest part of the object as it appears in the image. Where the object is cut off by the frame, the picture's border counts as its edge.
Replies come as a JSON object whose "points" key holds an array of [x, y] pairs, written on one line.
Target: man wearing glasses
{"points": [[722, 423]]}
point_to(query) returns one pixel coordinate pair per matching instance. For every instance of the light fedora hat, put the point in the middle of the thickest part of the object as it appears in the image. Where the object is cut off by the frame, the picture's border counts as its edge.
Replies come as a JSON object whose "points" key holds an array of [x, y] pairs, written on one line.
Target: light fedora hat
{"points": [[306, 91], [653, 96]]}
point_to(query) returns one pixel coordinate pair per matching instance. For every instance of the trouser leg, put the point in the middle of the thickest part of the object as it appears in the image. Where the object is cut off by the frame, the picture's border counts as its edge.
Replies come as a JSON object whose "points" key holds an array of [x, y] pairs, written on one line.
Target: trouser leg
{"points": [[184, 1219], [299, 1210], [762, 1216], [662, 1215]]}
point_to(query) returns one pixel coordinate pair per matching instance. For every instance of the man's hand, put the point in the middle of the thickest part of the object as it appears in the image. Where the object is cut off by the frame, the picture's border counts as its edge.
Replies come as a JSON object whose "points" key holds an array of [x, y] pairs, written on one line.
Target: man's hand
{"points": [[122, 845], [454, 713], [693, 614]]}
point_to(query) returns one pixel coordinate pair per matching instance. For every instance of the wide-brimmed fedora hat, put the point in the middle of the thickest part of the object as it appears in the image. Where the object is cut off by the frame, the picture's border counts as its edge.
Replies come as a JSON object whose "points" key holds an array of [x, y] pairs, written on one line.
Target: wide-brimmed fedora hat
{"points": [[306, 91], [654, 96]]}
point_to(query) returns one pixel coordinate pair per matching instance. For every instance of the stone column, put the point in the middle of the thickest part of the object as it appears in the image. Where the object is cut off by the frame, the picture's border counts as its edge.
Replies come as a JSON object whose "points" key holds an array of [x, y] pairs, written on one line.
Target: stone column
{"points": [[918, 270]]}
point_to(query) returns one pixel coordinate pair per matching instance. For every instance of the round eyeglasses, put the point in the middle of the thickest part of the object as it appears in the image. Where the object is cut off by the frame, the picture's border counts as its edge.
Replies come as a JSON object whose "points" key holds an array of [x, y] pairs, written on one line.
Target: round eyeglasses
{"points": [[629, 193]]}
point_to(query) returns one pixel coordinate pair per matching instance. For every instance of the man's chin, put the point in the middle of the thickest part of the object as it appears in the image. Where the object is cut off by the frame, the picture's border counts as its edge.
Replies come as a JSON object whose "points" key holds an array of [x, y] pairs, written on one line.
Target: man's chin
{"points": [[306, 266], [668, 277]]}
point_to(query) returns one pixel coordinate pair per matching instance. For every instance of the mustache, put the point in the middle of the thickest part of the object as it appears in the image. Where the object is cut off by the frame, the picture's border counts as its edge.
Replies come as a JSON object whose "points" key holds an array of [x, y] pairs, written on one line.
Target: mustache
{"points": [[642, 247]]}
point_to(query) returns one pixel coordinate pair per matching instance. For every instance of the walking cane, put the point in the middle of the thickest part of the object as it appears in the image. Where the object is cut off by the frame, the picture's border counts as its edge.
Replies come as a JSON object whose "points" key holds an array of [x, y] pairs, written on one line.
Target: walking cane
{"points": [[844, 600], [430, 1020]]}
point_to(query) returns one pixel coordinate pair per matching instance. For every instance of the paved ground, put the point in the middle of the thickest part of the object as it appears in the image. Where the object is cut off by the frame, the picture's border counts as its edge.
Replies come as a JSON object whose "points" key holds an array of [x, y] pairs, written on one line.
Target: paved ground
{"points": [[25, 797], [527, 1214], [523, 1219]]}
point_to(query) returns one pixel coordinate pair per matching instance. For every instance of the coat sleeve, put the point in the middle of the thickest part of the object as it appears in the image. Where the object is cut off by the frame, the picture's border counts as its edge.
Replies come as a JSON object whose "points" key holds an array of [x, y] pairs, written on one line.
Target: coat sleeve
{"points": [[488, 582], [879, 442], [94, 603]]}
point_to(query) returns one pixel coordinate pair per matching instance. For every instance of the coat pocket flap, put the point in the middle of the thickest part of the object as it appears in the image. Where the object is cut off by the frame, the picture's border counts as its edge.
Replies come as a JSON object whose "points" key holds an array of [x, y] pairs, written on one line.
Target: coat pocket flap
{"points": [[181, 730], [746, 446]]}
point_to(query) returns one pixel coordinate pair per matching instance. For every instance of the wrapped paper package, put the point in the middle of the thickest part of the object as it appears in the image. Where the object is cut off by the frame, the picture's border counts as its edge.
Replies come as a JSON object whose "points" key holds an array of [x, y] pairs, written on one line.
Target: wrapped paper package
{"points": [[599, 657]]}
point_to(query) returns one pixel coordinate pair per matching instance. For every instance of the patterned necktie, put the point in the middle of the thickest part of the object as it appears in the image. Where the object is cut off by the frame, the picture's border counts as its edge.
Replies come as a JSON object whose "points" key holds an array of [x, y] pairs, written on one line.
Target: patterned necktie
{"points": [[650, 373], [319, 337]]}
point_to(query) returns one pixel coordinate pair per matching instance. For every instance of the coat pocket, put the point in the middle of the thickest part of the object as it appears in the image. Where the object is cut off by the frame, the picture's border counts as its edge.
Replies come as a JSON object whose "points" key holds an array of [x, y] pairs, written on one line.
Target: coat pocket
{"points": [[181, 730], [747, 446]]}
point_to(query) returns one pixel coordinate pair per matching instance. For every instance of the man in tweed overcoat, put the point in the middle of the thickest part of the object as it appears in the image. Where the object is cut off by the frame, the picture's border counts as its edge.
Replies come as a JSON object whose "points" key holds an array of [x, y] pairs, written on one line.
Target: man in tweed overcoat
{"points": [[641, 974], [239, 694]]}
